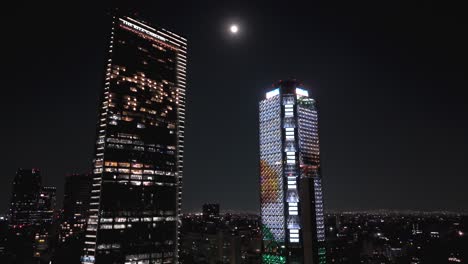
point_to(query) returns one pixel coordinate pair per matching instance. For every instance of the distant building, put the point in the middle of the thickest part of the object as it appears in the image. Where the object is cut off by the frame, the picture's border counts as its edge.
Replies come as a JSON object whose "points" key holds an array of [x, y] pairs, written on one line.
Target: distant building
{"points": [[76, 199], [229, 246], [235, 240], [3, 237], [46, 211], [138, 165], [435, 235], [338, 219], [47, 204], [290, 179], [32, 212], [25, 199], [416, 230], [210, 211], [455, 258]]}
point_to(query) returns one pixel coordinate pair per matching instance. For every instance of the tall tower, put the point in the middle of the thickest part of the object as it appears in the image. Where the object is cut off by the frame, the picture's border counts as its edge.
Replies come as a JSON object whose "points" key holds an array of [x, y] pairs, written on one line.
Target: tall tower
{"points": [[290, 181], [32, 214], [75, 206], [137, 184], [25, 199], [47, 204]]}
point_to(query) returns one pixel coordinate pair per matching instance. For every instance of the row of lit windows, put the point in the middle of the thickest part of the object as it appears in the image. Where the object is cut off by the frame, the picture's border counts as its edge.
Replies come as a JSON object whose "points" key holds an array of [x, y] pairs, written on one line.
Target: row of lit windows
{"points": [[139, 172], [140, 148], [288, 110], [133, 165], [294, 235], [137, 177], [137, 219], [141, 183]]}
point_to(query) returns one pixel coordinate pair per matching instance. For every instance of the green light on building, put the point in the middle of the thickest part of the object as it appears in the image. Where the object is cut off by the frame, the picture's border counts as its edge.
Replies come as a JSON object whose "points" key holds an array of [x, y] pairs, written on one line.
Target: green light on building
{"points": [[273, 259]]}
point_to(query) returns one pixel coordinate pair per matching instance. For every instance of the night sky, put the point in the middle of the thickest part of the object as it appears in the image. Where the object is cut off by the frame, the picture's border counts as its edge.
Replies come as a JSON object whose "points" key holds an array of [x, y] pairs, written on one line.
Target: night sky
{"points": [[390, 78]]}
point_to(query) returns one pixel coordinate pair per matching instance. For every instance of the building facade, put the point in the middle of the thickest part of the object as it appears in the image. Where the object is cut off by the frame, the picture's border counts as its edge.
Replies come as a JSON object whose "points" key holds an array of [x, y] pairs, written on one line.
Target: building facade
{"points": [[43, 236], [75, 205], [25, 199], [290, 180], [32, 211], [137, 184], [47, 204]]}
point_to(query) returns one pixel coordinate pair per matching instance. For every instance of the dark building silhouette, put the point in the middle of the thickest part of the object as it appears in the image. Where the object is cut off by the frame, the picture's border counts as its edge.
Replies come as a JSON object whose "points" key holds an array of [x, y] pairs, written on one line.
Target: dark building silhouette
{"points": [[136, 191], [210, 211], [76, 199], [3, 237], [229, 238], [25, 199], [290, 181], [77, 194], [44, 232], [32, 212], [47, 204]]}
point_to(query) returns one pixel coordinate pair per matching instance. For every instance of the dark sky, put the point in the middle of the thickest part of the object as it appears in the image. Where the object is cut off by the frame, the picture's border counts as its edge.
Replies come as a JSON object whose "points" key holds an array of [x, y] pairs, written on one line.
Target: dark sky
{"points": [[390, 78]]}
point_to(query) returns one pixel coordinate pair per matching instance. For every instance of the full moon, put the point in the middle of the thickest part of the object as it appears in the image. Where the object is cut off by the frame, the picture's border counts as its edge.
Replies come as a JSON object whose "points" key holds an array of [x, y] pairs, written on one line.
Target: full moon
{"points": [[234, 29]]}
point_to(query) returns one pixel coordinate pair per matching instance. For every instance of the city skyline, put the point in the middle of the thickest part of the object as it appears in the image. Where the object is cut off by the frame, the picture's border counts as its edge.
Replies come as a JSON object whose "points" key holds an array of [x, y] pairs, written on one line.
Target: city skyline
{"points": [[389, 124]]}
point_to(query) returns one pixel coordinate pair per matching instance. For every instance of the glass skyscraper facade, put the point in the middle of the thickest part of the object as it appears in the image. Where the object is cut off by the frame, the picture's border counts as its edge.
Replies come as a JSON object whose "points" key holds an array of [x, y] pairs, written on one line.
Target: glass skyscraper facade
{"points": [[290, 180], [137, 179]]}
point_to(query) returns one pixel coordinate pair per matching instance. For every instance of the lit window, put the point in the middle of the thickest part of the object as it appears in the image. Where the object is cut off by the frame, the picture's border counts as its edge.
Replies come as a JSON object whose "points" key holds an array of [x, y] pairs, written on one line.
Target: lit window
{"points": [[293, 213]]}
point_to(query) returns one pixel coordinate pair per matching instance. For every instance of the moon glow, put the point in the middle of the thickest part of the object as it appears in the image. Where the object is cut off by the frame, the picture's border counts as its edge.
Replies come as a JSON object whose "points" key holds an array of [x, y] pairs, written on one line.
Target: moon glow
{"points": [[234, 29]]}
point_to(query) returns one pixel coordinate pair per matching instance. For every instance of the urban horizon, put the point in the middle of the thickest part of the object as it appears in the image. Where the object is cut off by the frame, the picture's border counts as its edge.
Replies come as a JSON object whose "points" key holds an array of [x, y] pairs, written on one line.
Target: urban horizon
{"points": [[395, 154]]}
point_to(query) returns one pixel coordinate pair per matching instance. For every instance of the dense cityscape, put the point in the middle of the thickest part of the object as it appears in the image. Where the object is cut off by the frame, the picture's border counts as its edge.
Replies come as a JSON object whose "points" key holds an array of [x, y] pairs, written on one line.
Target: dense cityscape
{"points": [[128, 207], [213, 237]]}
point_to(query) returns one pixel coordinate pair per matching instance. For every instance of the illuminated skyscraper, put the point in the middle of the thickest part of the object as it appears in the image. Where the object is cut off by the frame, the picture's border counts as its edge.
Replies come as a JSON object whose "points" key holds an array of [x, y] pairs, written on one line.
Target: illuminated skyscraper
{"points": [[290, 181], [136, 195]]}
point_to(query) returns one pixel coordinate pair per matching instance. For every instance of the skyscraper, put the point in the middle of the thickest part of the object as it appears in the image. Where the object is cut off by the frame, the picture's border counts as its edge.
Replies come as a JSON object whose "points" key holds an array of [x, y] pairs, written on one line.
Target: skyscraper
{"points": [[136, 195], [290, 181], [75, 205], [31, 215], [47, 204], [45, 210], [25, 198]]}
